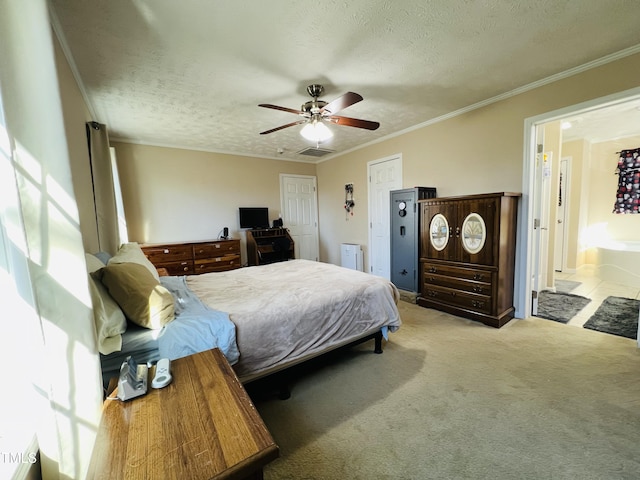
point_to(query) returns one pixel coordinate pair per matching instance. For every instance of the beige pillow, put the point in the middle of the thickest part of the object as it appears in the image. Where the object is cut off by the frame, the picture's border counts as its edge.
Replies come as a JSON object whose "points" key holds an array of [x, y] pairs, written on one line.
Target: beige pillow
{"points": [[132, 253], [108, 318], [143, 300]]}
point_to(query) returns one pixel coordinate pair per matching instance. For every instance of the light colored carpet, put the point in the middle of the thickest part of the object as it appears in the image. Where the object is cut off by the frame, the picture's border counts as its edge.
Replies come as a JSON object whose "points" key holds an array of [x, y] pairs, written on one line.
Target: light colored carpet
{"points": [[453, 399]]}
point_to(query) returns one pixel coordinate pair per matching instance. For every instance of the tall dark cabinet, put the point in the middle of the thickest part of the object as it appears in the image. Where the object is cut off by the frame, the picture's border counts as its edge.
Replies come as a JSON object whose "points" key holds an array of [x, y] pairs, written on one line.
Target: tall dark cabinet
{"points": [[467, 256], [405, 235]]}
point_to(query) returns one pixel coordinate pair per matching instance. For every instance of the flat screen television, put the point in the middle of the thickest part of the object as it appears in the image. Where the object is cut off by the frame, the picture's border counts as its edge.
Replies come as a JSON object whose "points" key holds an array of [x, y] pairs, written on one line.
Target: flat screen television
{"points": [[254, 217]]}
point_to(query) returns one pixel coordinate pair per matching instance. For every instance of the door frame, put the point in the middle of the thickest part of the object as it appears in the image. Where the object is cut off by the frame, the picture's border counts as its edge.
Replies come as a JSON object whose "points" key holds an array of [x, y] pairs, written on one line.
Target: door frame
{"points": [[525, 264], [397, 158]]}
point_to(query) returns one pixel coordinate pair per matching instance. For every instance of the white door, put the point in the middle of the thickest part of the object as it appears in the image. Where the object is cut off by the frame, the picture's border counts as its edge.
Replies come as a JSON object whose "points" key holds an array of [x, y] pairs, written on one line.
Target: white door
{"points": [[543, 261], [559, 261], [384, 175], [537, 201], [299, 202]]}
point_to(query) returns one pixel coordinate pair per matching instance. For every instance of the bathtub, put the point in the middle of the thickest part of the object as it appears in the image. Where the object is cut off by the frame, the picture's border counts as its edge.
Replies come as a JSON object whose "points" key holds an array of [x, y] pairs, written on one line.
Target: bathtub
{"points": [[619, 262]]}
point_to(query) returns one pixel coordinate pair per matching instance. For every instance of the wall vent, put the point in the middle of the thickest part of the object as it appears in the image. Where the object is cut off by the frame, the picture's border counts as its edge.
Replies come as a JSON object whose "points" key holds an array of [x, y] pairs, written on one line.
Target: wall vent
{"points": [[315, 152]]}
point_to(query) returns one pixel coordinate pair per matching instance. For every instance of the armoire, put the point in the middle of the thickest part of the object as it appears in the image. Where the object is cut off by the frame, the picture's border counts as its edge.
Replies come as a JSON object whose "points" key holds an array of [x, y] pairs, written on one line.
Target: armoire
{"points": [[467, 256]]}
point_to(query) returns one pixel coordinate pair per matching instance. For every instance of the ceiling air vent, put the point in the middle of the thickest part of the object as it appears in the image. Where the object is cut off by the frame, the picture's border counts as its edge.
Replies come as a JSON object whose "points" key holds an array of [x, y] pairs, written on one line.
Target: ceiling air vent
{"points": [[315, 152]]}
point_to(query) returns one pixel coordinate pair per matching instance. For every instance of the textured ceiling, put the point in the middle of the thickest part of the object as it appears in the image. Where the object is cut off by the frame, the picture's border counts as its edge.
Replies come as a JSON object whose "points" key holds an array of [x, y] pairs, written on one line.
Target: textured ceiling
{"points": [[191, 74]]}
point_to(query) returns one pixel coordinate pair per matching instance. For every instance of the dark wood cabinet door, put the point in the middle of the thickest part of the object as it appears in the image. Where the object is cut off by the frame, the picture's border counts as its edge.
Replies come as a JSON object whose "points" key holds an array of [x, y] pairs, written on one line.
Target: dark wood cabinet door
{"points": [[477, 232], [438, 239]]}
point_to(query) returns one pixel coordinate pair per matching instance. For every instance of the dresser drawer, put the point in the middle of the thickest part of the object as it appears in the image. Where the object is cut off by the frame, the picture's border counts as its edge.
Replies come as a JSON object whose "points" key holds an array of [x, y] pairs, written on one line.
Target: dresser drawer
{"points": [[457, 298], [161, 254], [218, 264], [473, 286], [217, 249], [464, 273], [184, 267]]}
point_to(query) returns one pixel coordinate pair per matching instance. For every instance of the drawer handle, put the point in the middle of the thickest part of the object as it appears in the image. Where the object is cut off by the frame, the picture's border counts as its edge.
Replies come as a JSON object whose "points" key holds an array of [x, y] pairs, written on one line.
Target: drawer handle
{"points": [[477, 289], [185, 269], [478, 276], [433, 269], [166, 250], [477, 304], [431, 293]]}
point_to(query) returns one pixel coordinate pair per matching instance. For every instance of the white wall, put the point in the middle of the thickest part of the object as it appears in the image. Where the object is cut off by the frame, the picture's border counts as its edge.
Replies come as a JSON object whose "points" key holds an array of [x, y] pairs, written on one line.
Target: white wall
{"points": [[41, 219]]}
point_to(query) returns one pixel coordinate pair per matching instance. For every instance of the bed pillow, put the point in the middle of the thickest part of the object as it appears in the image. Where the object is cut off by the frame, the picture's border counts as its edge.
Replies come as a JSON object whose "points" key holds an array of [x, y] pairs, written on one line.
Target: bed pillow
{"points": [[93, 263], [143, 300], [132, 253], [104, 257], [108, 318]]}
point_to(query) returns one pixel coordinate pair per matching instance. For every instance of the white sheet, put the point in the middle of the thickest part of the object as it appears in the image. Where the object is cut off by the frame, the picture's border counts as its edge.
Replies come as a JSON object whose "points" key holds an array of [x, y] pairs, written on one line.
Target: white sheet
{"points": [[287, 311]]}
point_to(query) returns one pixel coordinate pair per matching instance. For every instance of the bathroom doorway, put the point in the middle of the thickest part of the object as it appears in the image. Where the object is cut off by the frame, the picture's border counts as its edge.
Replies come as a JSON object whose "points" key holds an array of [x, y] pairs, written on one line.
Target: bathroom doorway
{"points": [[594, 122]]}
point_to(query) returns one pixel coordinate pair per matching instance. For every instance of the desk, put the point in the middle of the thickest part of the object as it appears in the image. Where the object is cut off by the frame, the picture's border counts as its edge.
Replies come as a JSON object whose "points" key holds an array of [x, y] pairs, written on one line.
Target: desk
{"points": [[203, 425]]}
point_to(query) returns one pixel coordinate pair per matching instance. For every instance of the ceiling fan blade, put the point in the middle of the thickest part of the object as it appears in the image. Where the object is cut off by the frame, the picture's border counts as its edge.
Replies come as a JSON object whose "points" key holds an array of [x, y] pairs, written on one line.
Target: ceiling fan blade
{"points": [[284, 109], [283, 126], [341, 103], [354, 122]]}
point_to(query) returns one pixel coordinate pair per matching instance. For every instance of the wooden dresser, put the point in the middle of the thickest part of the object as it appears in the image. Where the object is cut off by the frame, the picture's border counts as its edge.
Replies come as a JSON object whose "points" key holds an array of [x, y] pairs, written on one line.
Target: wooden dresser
{"points": [[467, 256], [195, 257]]}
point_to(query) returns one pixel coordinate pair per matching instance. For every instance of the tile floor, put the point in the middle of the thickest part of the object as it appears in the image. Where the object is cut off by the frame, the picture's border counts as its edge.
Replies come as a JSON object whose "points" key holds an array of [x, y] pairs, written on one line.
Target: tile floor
{"points": [[597, 290]]}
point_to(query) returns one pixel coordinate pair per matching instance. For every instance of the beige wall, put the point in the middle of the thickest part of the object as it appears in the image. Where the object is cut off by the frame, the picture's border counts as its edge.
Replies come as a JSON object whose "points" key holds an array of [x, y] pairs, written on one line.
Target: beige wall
{"points": [[480, 151], [603, 188], [593, 189], [76, 114], [174, 195], [579, 153]]}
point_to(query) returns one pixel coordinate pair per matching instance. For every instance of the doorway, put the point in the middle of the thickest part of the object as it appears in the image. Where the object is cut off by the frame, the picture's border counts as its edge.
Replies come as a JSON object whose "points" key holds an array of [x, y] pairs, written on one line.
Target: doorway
{"points": [[529, 235]]}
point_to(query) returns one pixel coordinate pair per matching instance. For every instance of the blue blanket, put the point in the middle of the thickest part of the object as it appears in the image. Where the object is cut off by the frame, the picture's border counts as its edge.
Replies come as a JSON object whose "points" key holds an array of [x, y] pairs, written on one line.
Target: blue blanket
{"points": [[196, 327]]}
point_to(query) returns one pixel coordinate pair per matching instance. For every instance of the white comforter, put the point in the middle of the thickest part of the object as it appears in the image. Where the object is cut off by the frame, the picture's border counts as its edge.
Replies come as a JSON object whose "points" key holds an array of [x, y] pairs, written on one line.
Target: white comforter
{"points": [[288, 311]]}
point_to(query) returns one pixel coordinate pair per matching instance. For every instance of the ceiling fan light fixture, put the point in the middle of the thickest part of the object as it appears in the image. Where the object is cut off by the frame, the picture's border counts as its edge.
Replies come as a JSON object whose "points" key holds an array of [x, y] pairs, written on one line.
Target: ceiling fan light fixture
{"points": [[316, 131]]}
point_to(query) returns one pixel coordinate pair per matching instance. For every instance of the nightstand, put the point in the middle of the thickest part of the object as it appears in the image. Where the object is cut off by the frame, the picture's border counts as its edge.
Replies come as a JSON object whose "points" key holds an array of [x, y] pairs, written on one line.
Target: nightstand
{"points": [[203, 425]]}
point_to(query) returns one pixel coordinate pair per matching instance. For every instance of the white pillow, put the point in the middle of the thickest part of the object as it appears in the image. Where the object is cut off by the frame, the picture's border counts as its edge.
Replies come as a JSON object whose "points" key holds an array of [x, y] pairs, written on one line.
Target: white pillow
{"points": [[132, 253], [108, 317]]}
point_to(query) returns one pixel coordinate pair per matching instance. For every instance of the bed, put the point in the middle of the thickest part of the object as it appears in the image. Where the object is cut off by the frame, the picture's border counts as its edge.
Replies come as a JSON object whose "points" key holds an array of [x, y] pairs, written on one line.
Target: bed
{"points": [[264, 318]]}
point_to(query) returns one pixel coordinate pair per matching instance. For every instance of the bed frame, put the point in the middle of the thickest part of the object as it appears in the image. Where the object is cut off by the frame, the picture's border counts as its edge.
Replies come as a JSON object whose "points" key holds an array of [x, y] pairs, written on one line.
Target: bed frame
{"points": [[280, 372]]}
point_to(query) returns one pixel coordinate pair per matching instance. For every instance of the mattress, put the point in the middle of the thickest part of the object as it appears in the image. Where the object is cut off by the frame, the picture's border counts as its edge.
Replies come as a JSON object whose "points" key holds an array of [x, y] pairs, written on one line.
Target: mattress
{"points": [[288, 311]]}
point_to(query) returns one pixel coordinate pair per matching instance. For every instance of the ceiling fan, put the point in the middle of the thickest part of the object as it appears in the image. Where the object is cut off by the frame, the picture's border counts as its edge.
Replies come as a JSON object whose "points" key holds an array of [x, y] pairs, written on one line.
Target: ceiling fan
{"points": [[316, 112]]}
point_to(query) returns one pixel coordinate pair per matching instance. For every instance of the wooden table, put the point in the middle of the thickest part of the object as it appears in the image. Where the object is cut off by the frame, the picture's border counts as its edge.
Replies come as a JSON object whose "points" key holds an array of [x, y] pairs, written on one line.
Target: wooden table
{"points": [[203, 425]]}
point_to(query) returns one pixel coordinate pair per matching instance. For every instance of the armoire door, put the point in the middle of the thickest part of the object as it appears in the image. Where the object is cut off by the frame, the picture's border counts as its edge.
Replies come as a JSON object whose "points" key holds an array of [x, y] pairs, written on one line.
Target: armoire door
{"points": [[439, 220], [476, 229]]}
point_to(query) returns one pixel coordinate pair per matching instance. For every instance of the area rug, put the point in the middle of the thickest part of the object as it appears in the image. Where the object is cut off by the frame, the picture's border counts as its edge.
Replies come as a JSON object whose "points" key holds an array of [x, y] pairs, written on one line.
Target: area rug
{"points": [[617, 316], [566, 286], [560, 307]]}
